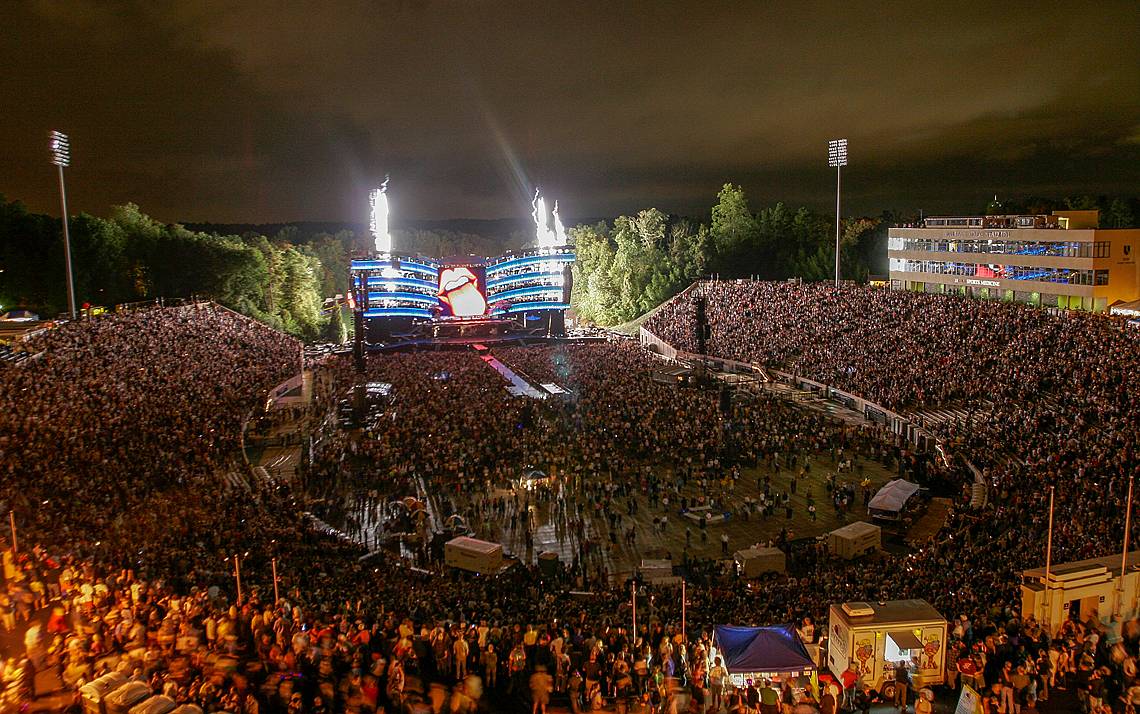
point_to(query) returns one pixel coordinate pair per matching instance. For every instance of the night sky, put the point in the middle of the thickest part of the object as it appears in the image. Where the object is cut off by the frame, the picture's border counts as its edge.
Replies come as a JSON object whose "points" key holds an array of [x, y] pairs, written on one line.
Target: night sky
{"points": [[258, 111]]}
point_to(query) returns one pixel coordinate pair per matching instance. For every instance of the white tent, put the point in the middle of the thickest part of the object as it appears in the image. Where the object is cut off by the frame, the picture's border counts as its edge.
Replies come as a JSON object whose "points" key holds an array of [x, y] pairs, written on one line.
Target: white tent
{"points": [[892, 498], [1130, 309]]}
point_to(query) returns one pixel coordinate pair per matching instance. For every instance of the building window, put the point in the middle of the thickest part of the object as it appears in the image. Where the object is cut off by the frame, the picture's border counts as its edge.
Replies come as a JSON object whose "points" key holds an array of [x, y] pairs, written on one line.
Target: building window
{"points": [[1060, 249], [999, 271]]}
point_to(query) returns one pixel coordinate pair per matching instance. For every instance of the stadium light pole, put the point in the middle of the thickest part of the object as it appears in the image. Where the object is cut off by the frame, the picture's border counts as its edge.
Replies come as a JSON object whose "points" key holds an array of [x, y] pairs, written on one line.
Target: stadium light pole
{"points": [[837, 157], [1048, 563], [1124, 553], [61, 156], [276, 595]]}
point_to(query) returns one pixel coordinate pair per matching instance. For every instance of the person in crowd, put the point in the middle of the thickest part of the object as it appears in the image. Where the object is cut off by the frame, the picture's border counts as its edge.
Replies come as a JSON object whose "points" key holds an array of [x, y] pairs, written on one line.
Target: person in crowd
{"points": [[865, 697], [902, 685], [541, 685]]}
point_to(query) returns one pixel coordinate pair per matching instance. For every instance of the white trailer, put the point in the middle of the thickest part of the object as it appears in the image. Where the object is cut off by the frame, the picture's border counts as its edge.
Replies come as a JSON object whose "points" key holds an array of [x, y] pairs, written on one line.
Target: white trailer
{"points": [[474, 555], [757, 560], [854, 539]]}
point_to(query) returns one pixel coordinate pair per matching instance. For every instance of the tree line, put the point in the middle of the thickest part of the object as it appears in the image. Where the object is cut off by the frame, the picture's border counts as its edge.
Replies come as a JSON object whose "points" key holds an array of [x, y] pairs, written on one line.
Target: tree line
{"points": [[281, 279], [129, 257], [628, 269], [625, 267]]}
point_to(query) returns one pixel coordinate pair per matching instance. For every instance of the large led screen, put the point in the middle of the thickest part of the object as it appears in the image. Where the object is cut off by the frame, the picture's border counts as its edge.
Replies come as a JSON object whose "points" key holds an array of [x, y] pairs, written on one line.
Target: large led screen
{"points": [[462, 291]]}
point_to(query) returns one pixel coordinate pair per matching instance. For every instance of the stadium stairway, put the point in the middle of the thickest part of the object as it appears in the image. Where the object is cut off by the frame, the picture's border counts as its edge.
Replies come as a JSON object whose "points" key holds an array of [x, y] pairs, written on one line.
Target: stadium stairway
{"points": [[979, 495], [952, 415], [278, 465], [940, 419], [234, 482]]}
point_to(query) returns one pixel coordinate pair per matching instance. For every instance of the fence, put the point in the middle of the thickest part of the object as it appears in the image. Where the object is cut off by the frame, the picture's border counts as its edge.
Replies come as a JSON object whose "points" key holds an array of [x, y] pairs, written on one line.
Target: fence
{"points": [[657, 345]]}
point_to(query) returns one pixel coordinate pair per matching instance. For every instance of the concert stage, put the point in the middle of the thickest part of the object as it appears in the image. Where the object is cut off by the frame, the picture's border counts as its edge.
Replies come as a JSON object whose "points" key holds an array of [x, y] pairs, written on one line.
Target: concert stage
{"points": [[400, 299]]}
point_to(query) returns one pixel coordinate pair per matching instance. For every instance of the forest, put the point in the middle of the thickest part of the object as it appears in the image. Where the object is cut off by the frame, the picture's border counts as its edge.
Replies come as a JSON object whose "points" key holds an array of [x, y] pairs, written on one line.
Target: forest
{"points": [[282, 278]]}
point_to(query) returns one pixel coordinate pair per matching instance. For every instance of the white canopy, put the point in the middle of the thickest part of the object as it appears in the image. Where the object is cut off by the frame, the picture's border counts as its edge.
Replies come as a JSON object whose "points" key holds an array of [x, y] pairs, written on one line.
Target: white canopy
{"points": [[1132, 309], [892, 497]]}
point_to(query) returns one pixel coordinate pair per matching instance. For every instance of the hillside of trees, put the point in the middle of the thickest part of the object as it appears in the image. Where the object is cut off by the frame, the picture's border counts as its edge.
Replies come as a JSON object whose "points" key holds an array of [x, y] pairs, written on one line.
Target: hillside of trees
{"points": [[643, 260], [279, 274], [129, 257], [628, 268]]}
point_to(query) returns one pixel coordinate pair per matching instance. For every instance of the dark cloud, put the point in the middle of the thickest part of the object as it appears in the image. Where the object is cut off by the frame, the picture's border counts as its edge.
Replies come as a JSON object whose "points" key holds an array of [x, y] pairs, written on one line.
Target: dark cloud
{"points": [[265, 111]]}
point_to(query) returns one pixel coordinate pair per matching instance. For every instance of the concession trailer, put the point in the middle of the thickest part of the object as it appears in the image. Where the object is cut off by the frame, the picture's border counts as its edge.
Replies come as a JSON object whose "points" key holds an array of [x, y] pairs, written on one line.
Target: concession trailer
{"points": [[878, 636]]}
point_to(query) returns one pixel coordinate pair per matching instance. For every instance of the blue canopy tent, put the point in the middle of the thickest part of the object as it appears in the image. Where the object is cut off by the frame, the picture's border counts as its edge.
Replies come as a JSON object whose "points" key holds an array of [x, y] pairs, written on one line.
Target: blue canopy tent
{"points": [[774, 652]]}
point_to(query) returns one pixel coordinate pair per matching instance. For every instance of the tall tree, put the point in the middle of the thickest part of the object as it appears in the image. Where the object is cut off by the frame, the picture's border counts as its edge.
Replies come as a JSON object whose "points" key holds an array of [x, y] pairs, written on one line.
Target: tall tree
{"points": [[1119, 214], [733, 227], [332, 252], [650, 228]]}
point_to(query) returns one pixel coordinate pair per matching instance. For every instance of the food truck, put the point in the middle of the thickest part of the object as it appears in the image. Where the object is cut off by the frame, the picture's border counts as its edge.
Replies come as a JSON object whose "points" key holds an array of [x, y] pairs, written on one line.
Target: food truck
{"points": [[878, 636]]}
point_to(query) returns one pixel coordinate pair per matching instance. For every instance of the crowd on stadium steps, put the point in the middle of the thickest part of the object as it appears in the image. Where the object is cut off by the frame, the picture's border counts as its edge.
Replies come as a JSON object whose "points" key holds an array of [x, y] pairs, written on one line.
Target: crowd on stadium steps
{"points": [[1057, 398], [110, 435], [957, 348], [352, 635]]}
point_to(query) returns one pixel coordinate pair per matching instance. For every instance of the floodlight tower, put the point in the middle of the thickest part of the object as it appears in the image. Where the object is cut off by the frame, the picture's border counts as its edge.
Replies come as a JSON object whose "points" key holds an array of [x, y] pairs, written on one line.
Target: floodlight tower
{"points": [[837, 157], [61, 156]]}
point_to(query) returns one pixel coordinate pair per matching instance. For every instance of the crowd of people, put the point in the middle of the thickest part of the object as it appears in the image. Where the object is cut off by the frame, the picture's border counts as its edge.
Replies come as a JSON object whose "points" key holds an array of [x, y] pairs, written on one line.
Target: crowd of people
{"points": [[1053, 401], [622, 443], [112, 445]]}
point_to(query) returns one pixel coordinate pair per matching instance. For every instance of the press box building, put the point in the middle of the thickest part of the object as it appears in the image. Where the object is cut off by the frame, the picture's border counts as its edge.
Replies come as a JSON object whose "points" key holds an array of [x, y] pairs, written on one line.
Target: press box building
{"points": [[1060, 260]]}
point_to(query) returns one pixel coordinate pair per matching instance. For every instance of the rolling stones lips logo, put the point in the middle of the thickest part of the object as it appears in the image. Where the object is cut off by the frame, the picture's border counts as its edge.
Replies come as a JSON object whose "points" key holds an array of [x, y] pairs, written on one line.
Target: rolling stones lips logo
{"points": [[459, 290]]}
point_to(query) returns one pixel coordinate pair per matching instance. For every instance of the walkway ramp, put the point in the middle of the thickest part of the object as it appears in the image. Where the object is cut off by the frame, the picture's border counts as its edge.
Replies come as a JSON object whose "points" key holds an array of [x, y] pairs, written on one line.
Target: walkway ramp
{"points": [[518, 386]]}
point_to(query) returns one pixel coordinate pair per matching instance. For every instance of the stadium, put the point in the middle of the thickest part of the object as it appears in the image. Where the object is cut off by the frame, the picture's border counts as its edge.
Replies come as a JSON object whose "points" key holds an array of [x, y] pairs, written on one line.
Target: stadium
{"points": [[756, 500], [817, 390]]}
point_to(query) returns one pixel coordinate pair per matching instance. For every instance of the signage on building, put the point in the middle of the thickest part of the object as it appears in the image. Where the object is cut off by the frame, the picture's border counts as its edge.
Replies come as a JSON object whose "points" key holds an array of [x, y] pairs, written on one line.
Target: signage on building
{"points": [[975, 233], [985, 283]]}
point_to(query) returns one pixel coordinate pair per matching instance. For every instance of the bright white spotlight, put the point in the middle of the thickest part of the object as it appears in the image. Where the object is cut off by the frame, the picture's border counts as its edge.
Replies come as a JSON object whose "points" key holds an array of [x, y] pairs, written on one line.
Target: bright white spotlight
{"points": [[542, 232], [378, 197], [559, 229]]}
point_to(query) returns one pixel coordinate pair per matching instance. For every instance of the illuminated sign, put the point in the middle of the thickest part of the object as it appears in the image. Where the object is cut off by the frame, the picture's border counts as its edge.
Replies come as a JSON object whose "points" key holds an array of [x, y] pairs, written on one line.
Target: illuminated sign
{"points": [[986, 283], [990, 233], [461, 291], [417, 286]]}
